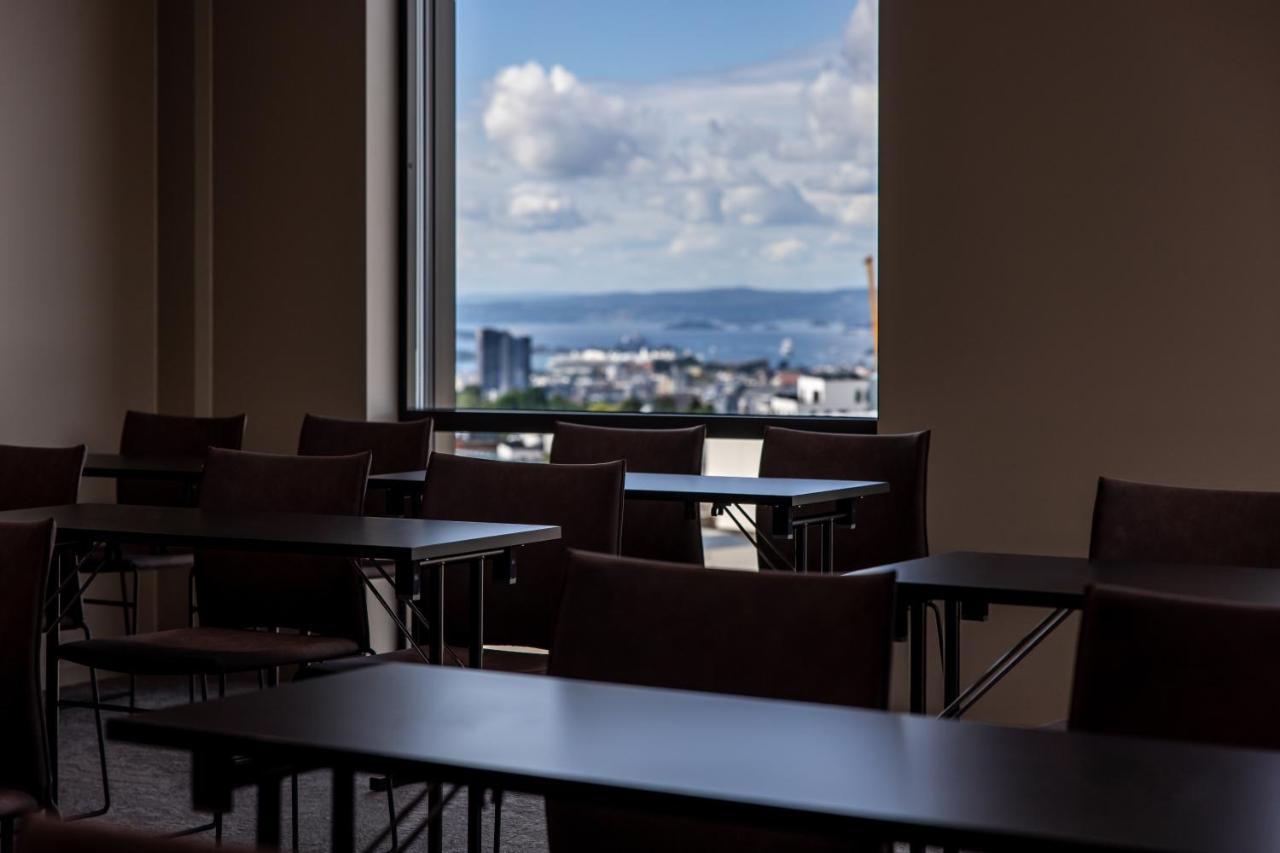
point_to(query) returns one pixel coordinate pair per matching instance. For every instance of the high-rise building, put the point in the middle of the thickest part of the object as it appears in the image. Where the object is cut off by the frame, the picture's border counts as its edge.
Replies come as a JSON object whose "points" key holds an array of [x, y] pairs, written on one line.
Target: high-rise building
{"points": [[505, 360]]}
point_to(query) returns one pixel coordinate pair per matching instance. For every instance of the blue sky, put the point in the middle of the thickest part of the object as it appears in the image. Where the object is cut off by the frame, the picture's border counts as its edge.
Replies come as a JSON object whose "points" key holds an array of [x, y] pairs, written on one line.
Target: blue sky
{"points": [[625, 40], [670, 144]]}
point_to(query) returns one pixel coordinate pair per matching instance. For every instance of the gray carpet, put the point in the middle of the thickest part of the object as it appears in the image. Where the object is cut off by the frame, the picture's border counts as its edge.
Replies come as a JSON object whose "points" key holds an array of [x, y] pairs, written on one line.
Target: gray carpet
{"points": [[151, 789]]}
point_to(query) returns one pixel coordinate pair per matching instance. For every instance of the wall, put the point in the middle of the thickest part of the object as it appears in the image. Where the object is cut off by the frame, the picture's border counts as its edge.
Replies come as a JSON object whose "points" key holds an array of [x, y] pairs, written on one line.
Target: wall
{"points": [[1079, 209]]}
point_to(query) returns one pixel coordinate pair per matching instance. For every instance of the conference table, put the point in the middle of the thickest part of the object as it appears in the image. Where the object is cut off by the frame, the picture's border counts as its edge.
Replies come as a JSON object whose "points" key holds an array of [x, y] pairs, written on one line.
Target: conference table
{"points": [[968, 582], [417, 547], [824, 768], [802, 507]]}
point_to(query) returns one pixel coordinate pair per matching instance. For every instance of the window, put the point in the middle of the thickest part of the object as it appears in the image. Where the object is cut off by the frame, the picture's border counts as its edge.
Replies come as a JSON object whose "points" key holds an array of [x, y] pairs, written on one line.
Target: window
{"points": [[666, 206]]}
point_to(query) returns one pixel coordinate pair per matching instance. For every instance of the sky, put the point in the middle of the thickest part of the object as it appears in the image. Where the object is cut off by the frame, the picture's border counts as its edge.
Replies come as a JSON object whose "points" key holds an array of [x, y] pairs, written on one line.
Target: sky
{"points": [[671, 144]]}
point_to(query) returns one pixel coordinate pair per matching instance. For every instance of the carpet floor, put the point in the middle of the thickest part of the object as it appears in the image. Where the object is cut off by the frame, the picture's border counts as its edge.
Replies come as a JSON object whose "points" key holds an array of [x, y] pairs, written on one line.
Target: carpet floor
{"points": [[151, 789]]}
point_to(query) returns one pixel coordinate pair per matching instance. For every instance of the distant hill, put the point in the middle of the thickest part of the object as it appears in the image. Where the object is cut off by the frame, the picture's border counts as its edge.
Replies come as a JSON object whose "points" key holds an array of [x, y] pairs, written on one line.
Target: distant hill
{"points": [[735, 306]]}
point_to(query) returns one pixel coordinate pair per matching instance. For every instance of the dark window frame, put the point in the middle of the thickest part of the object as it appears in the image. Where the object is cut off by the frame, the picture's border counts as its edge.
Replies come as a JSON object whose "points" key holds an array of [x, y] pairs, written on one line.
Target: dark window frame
{"points": [[427, 263]]}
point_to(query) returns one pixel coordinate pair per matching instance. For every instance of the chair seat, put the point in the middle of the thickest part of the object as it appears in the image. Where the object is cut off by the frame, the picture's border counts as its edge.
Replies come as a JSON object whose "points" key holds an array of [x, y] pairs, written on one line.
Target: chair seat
{"points": [[211, 651], [14, 803], [499, 660]]}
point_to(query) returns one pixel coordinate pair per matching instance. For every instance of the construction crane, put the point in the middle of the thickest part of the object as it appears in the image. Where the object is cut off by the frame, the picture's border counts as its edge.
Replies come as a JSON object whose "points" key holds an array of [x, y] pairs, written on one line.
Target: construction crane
{"points": [[873, 299]]}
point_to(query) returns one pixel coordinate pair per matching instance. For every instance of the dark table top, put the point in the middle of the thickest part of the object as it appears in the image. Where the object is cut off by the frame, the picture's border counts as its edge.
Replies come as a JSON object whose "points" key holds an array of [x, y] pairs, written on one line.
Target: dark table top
{"points": [[1038, 581], [337, 535], [704, 488], [910, 777]]}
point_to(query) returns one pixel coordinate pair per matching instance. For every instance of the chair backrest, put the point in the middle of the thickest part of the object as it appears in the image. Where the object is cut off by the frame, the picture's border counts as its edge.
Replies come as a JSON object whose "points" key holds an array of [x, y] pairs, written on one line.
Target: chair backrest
{"points": [[39, 476], [404, 446], [1139, 522], [323, 595], [653, 530], [171, 436], [584, 500], [45, 835], [890, 527], [25, 550], [1177, 668], [807, 638]]}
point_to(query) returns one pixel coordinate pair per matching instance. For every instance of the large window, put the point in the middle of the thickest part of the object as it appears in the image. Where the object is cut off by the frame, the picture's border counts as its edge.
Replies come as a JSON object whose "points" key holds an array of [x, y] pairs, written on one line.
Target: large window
{"points": [[667, 206]]}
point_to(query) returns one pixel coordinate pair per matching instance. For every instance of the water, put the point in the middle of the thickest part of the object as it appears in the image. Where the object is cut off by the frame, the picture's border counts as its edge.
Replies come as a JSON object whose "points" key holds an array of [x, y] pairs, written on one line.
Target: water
{"points": [[811, 345]]}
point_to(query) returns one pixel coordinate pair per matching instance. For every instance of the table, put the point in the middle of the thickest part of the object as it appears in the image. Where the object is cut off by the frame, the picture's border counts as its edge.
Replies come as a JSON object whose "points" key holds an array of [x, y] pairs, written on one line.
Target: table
{"points": [[786, 495], [900, 777], [413, 544], [727, 496], [969, 581]]}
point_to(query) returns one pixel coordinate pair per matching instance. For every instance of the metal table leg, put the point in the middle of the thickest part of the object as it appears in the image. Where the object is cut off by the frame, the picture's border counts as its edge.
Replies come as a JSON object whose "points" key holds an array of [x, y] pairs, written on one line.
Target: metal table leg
{"points": [[269, 813], [475, 572], [951, 652], [342, 830], [919, 660]]}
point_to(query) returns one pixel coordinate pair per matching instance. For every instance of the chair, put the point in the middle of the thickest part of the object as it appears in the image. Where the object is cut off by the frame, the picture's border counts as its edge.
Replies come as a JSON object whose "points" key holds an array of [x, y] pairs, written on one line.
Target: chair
{"points": [[1140, 522], [25, 551], [160, 436], [890, 527], [806, 638], [43, 835], [246, 597], [654, 530], [584, 500], [395, 447], [1178, 668]]}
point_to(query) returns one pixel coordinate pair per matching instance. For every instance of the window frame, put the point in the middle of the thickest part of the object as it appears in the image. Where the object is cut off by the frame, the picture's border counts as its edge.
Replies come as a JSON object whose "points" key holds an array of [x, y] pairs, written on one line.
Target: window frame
{"points": [[428, 213]]}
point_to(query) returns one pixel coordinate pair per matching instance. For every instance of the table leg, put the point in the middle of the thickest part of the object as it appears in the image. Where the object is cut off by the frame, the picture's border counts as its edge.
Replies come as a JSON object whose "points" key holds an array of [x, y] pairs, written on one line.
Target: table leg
{"points": [[475, 818], [269, 813], [475, 573], [435, 612], [919, 660], [802, 548], [342, 837], [827, 532], [951, 652], [435, 830]]}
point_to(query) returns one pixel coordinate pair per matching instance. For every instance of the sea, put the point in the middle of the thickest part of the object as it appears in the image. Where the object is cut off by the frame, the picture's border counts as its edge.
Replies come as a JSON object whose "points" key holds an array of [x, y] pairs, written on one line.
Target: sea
{"points": [[803, 344]]}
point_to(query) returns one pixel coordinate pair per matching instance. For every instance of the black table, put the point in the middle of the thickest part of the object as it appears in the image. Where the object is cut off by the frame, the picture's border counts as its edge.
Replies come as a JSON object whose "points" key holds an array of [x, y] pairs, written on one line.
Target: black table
{"points": [[781, 764], [787, 496], [969, 582], [415, 546]]}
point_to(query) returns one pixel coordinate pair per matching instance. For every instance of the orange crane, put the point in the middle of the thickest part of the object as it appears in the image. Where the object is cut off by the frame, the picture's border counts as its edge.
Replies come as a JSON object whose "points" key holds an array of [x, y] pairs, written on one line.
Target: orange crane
{"points": [[873, 299]]}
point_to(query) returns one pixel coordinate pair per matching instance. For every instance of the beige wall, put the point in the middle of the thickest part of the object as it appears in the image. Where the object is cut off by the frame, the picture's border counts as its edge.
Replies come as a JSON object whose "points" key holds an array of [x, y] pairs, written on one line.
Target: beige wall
{"points": [[1080, 210]]}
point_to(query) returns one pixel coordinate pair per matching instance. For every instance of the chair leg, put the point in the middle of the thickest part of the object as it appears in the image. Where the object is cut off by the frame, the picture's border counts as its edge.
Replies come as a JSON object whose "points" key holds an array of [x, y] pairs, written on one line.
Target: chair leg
{"points": [[102, 749], [217, 829], [6, 835]]}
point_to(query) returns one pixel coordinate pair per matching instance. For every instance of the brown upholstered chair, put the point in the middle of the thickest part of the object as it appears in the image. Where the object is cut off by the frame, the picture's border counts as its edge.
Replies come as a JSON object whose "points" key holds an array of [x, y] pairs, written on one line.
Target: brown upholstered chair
{"points": [[805, 638], [890, 527], [653, 530], [25, 550], [45, 476], [163, 437], [1139, 522], [43, 835], [1178, 668], [395, 447], [318, 600], [584, 500]]}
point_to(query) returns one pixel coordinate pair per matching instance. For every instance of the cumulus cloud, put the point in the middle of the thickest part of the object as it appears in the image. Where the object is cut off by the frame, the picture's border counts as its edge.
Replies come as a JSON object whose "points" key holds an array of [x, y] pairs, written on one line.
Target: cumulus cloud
{"points": [[701, 204], [549, 123], [692, 240], [846, 177], [861, 44], [768, 204], [541, 207], [789, 249]]}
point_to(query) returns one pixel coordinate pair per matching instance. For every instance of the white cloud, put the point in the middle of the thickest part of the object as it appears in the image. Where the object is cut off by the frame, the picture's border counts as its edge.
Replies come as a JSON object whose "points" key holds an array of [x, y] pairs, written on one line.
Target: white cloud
{"points": [[861, 39], [541, 207], [701, 204], [768, 204], [789, 249], [549, 123], [692, 240], [847, 177]]}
